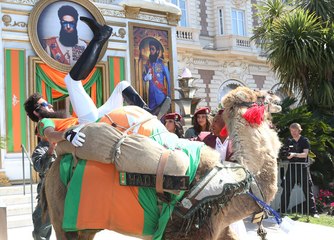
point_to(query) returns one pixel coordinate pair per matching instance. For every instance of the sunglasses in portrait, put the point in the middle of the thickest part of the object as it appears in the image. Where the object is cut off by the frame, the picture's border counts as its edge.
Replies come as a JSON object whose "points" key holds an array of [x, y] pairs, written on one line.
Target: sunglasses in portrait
{"points": [[69, 24]]}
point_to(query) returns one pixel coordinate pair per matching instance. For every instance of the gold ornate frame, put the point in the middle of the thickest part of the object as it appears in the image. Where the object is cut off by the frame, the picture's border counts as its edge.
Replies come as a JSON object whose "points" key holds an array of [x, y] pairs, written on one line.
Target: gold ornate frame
{"points": [[135, 66], [32, 30], [33, 61]]}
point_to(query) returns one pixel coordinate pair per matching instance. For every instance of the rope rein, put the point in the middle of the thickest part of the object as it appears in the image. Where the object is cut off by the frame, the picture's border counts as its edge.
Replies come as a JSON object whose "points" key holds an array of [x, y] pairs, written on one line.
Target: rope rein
{"points": [[117, 147]]}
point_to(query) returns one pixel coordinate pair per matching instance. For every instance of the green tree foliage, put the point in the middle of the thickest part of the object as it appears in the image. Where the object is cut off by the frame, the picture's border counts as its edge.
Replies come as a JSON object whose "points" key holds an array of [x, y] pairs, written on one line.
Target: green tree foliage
{"points": [[299, 42], [317, 129]]}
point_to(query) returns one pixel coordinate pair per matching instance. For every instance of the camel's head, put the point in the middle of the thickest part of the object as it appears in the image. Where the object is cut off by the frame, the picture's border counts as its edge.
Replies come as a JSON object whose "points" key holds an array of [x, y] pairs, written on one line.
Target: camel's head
{"points": [[270, 100], [238, 100], [239, 96]]}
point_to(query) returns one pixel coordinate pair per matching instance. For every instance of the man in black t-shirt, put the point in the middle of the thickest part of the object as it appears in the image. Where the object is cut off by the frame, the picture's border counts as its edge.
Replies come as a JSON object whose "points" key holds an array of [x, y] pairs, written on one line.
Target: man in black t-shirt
{"points": [[299, 147]]}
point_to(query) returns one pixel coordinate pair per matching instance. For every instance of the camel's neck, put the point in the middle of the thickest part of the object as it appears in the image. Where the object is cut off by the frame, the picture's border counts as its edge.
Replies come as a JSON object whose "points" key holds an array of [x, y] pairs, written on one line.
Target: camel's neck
{"points": [[235, 128], [252, 148]]}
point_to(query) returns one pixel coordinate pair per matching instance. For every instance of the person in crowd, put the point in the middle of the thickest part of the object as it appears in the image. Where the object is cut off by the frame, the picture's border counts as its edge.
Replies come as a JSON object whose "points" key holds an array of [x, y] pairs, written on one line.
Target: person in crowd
{"points": [[202, 122], [67, 47], [173, 123], [42, 157], [299, 147], [218, 141]]}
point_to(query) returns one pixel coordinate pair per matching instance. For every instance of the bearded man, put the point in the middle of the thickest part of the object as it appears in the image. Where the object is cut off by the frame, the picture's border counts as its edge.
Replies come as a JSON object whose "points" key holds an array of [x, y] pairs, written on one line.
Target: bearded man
{"points": [[67, 48], [157, 75]]}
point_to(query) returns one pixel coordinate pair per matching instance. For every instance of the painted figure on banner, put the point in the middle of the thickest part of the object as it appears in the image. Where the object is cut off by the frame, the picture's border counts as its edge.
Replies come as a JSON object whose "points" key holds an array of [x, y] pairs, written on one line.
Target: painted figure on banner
{"points": [[156, 74], [67, 47]]}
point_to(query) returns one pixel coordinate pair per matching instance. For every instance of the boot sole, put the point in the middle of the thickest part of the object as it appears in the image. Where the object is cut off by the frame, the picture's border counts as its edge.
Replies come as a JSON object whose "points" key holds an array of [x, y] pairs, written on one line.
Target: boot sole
{"points": [[164, 107]]}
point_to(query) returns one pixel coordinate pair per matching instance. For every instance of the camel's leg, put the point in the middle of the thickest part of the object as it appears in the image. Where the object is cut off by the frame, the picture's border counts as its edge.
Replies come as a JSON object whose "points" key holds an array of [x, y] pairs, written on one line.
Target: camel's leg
{"points": [[55, 192], [87, 234], [227, 234]]}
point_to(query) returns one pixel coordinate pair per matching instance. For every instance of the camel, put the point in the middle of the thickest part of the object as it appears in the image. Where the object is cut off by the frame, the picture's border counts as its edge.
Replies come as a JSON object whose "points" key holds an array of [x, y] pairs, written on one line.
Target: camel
{"points": [[253, 148]]}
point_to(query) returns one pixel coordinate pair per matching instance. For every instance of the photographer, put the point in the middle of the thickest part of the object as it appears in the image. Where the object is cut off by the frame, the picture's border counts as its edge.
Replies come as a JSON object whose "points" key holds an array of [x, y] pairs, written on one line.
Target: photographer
{"points": [[296, 150], [42, 158]]}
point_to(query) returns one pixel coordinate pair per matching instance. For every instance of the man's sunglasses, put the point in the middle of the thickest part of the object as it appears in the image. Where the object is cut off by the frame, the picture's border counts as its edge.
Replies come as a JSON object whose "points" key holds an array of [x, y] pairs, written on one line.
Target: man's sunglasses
{"points": [[70, 24], [43, 104]]}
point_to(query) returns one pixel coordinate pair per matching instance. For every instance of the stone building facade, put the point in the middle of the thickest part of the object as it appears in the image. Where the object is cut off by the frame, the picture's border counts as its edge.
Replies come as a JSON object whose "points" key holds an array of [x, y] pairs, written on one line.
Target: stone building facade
{"points": [[214, 43]]}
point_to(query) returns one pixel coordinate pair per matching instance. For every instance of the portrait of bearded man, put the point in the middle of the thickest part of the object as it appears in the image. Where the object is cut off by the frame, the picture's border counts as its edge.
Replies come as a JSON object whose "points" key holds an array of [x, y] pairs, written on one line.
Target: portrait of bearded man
{"points": [[156, 74], [67, 47]]}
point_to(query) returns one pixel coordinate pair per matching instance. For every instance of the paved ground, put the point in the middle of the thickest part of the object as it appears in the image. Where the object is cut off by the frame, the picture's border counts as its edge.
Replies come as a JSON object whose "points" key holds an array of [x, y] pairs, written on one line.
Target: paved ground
{"points": [[289, 230]]}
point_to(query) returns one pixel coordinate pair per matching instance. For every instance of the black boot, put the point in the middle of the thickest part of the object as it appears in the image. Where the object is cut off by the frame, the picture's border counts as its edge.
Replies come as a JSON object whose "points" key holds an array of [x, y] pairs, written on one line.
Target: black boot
{"points": [[162, 108], [131, 97], [89, 57]]}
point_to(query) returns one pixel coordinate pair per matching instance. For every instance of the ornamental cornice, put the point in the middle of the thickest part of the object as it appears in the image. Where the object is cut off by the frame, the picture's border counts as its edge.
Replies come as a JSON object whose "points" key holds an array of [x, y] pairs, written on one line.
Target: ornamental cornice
{"points": [[26, 2], [33, 2], [239, 3], [103, 1], [8, 22], [112, 12], [206, 62], [258, 68], [152, 18]]}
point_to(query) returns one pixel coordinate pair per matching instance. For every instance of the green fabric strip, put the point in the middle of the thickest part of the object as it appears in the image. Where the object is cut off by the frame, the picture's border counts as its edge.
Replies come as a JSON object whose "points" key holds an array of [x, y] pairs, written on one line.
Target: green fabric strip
{"points": [[23, 116], [99, 90], [148, 200], [73, 196], [65, 171], [42, 76], [122, 70], [43, 124], [155, 222], [111, 74], [9, 112]]}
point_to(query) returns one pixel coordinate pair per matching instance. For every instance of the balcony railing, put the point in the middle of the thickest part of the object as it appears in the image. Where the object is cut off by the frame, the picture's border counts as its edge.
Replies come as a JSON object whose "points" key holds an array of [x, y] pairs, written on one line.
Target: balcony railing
{"points": [[243, 42], [233, 42], [187, 34], [184, 35]]}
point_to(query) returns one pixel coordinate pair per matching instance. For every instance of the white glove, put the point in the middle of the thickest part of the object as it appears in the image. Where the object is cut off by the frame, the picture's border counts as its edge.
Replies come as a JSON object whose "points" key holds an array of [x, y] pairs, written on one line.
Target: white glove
{"points": [[148, 77], [75, 137]]}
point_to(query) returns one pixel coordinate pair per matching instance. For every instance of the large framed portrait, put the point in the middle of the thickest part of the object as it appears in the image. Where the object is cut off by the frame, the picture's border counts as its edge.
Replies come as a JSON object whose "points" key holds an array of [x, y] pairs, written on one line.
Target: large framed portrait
{"points": [[151, 62], [57, 34]]}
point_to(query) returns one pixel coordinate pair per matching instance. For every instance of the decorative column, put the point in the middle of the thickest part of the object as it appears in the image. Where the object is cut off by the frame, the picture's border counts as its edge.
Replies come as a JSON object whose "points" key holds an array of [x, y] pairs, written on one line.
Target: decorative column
{"points": [[187, 103]]}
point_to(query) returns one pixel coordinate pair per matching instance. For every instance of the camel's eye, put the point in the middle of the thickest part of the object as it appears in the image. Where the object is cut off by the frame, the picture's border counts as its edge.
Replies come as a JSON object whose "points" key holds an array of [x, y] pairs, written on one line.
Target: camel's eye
{"points": [[277, 102]]}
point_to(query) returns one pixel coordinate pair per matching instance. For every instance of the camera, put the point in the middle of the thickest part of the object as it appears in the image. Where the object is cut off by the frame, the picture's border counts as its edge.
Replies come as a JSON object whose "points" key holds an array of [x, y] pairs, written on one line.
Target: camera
{"points": [[284, 152]]}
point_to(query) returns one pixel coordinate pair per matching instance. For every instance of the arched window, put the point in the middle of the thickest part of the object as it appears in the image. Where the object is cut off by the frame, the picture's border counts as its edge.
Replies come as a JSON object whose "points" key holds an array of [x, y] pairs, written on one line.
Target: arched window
{"points": [[227, 86]]}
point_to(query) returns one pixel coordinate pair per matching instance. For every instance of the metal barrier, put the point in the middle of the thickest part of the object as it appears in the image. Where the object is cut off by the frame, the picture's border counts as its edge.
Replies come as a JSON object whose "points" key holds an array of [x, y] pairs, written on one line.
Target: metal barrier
{"points": [[294, 179], [24, 152]]}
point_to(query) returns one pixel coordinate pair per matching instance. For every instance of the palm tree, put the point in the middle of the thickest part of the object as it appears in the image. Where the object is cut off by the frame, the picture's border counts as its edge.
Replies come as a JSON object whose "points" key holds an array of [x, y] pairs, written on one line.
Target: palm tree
{"points": [[300, 47], [268, 12], [322, 8]]}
